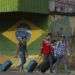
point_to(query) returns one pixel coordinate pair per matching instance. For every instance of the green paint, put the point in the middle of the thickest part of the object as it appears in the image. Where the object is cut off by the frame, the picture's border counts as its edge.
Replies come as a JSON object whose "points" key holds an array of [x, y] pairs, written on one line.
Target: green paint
{"points": [[9, 48], [8, 5], [35, 6], [34, 47], [6, 46]]}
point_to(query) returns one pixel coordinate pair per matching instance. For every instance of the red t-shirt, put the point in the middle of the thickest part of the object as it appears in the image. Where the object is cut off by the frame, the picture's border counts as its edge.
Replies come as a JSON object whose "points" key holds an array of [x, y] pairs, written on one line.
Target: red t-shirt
{"points": [[46, 47]]}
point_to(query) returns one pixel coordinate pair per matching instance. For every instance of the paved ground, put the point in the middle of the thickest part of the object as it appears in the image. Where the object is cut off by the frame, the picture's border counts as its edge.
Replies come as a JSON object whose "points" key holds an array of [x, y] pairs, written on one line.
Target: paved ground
{"points": [[35, 73], [13, 72]]}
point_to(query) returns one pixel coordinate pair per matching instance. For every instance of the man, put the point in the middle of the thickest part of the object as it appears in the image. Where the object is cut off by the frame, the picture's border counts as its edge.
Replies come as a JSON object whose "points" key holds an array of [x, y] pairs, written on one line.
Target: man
{"points": [[22, 53], [22, 35]]}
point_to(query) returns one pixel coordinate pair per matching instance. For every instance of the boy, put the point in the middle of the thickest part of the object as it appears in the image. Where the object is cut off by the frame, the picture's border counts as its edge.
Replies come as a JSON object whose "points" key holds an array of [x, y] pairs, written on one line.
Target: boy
{"points": [[47, 50]]}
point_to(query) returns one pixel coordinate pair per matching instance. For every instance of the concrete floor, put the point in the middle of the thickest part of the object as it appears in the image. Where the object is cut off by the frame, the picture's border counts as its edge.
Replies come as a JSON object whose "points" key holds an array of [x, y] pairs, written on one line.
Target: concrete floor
{"points": [[34, 73]]}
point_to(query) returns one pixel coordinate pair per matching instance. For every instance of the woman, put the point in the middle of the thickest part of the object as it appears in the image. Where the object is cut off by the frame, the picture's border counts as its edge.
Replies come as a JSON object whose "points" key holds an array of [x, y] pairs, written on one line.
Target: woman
{"points": [[60, 53]]}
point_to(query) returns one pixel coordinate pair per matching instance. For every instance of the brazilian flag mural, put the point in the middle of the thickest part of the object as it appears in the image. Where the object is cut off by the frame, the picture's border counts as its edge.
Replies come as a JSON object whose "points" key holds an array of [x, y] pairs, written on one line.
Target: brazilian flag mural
{"points": [[8, 39], [39, 26]]}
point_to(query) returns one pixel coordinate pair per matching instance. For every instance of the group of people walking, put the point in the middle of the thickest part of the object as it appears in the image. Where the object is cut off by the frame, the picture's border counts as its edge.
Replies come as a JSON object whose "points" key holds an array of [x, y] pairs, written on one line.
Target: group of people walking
{"points": [[51, 49], [56, 49]]}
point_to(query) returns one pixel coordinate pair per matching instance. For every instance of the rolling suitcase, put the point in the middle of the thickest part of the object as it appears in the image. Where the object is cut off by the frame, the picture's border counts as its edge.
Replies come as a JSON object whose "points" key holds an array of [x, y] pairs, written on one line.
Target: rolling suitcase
{"points": [[32, 66], [6, 65], [44, 66], [0, 67]]}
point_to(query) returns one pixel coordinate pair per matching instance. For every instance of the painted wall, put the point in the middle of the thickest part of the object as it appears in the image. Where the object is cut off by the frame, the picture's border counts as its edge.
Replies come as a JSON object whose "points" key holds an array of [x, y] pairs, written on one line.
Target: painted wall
{"points": [[58, 21], [36, 6], [8, 41], [39, 24]]}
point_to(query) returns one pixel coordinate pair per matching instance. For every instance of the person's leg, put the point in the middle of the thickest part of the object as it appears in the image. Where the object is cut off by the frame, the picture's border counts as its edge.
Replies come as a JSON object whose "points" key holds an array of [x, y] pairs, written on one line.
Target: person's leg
{"points": [[57, 66], [45, 58], [23, 60], [54, 60], [66, 64], [22, 68], [20, 65], [50, 58]]}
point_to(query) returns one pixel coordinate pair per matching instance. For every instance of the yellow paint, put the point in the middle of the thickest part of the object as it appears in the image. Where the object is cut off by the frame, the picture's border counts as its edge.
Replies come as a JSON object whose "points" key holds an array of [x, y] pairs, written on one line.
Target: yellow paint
{"points": [[10, 34]]}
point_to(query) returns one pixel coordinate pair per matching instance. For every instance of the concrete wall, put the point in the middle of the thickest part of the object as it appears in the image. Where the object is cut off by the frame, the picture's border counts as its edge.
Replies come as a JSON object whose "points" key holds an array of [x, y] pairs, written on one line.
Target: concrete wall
{"points": [[66, 22]]}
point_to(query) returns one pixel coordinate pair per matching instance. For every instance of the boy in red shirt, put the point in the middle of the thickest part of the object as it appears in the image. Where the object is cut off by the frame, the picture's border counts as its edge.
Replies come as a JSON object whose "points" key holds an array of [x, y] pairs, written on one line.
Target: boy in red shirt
{"points": [[47, 50]]}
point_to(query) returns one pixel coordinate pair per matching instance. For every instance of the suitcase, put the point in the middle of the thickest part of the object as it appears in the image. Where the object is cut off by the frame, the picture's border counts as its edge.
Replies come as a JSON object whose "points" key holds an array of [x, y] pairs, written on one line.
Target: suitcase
{"points": [[0, 67], [44, 66], [6, 65], [32, 66]]}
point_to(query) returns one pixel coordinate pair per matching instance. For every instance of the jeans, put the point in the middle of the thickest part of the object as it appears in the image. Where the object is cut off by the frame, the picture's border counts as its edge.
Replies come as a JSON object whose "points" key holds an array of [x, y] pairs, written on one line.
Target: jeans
{"points": [[48, 58], [22, 60]]}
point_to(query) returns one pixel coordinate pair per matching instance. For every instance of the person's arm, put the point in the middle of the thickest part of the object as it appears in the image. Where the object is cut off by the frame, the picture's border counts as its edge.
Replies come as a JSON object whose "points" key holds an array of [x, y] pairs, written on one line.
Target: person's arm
{"points": [[26, 50], [68, 50], [52, 48], [41, 49], [17, 51]]}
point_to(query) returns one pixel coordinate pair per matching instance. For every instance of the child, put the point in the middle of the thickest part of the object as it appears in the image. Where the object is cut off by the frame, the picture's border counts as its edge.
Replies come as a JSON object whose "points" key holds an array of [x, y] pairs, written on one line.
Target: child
{"points": [[60, 53], [47, 50]]}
